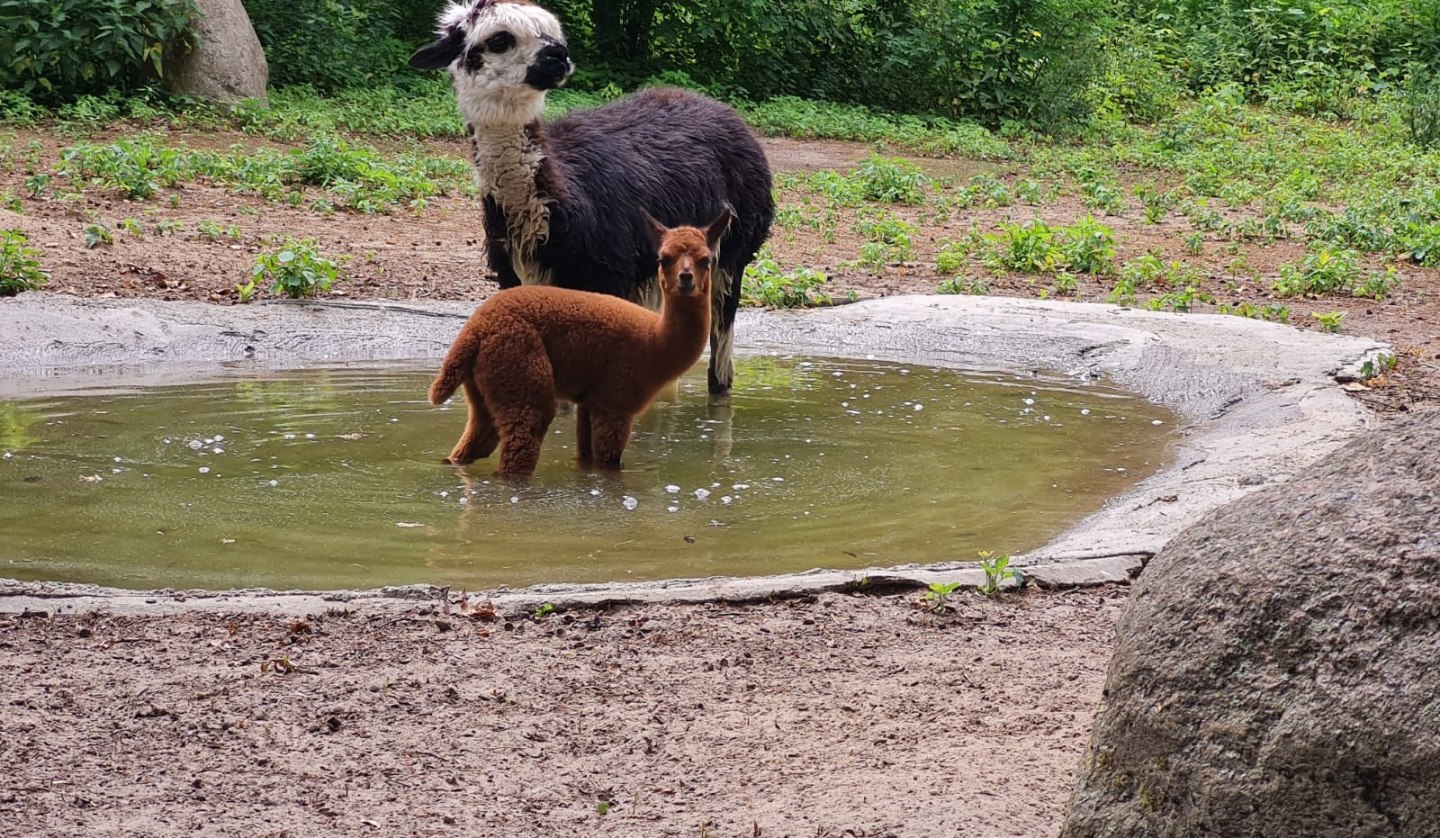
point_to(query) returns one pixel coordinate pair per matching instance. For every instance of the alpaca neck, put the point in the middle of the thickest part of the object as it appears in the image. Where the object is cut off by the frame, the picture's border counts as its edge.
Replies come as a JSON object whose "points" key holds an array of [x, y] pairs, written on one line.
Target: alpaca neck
{"points": [[510, 166], [683, 329]]}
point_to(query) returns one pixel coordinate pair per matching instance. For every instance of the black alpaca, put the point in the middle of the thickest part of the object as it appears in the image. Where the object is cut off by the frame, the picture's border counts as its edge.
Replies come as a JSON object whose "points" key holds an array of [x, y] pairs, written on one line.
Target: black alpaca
{"points": [[562, 201]]}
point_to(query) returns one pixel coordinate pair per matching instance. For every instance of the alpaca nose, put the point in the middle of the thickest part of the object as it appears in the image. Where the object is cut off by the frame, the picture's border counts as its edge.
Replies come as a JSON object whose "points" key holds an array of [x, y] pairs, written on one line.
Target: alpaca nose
{"points": [[687, 282], [551, 67]]}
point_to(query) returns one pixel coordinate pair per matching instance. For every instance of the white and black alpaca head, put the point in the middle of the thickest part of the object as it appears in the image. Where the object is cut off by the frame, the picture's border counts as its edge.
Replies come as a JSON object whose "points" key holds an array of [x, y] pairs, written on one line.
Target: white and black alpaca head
{"points": [[503, 55]]}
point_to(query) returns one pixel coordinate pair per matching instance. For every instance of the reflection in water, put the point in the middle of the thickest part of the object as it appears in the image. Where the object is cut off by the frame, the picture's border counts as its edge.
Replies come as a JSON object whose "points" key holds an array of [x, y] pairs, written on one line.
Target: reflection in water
{"points": [[332, 479]]}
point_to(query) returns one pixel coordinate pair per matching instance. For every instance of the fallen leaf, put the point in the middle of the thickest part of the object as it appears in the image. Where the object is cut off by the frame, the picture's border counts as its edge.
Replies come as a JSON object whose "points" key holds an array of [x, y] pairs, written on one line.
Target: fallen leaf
{"points": [[407, 525]]}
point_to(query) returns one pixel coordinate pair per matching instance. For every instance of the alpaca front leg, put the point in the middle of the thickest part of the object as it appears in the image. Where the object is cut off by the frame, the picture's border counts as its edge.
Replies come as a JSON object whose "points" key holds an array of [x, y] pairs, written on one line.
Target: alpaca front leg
{"points": [[609, 434]]}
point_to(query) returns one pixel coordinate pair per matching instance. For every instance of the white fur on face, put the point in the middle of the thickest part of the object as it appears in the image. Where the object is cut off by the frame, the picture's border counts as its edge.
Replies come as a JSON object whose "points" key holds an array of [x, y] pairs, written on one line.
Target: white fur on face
{"points": [[497, 94]]}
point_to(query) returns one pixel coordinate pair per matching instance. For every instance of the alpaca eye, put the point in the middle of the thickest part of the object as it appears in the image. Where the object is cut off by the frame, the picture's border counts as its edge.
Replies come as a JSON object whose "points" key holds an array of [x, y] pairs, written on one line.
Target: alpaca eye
{"points": [[705, 263], [666, 262], [500, 42]]}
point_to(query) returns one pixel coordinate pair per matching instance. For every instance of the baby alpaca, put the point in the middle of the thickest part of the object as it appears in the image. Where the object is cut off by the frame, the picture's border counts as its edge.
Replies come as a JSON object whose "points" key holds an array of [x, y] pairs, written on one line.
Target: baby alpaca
{"points": [[526, 347]]}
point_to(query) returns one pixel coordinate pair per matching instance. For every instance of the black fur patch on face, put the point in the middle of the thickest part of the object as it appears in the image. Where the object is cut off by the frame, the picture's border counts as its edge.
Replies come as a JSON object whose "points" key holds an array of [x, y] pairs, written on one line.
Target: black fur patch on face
{"points": [[474, 60], [499, 42]]}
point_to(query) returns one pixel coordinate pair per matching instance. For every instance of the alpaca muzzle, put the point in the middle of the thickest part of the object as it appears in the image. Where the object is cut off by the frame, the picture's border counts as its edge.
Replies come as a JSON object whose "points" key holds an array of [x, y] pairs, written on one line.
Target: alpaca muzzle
{"points": [[687, 283], [551, 68]]}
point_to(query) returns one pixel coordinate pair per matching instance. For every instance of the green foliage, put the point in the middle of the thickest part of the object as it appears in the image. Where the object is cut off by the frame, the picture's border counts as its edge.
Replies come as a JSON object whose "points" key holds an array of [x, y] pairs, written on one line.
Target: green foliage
{"points": [[992, 60], [98, 235], [1329, 321], [1274, 312], [1313, 56], [1378, 366], [1324, 269], [1034, 247], [964, 285], [297, 269], [1089, 247], [765, 284], [997, 572], [135, 167], [891, 180], [952, 256], [1422, 106], [19, 264], [359, 178], [984, 191], [937, 596], [335, 44], [1026, 248], [789, 116], [54, 50], [1183, 300]]}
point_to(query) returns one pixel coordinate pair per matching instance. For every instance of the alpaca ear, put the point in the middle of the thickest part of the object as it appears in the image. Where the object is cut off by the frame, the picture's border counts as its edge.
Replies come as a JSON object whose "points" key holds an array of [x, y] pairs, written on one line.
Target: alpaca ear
{"points": [[654, 230], [718, 227], [441, 53]]}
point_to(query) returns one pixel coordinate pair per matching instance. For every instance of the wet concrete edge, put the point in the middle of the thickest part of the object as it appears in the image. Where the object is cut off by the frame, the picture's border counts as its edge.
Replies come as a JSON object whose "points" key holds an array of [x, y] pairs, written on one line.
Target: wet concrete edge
{"points": [[1257, 401]]}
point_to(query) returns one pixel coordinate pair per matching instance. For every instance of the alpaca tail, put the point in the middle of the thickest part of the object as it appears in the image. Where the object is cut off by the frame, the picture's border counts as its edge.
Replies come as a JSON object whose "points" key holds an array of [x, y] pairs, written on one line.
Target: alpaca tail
{"points": [[459, 363]]}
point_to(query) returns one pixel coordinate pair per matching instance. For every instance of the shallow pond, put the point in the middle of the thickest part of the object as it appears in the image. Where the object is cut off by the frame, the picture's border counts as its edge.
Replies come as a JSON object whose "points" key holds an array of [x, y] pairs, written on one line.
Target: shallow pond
{"points": [[331, 478]]}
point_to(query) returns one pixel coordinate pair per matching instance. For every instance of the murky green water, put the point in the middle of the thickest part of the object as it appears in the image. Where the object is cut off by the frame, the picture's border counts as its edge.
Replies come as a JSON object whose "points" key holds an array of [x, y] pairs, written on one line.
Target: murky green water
{"points": [[325, 479]]}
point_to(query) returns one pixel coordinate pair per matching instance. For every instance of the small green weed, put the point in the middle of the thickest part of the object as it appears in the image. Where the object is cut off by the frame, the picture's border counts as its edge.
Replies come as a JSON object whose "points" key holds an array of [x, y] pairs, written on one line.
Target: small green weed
{"points": [[1025, 248], [937, 596], [297, 269], [212, 231], [1274, 312], [19, 264], [765, 284], [964, 285], [1378, 366], [997, 572], [1323, 270], [245, 291], [97, 235], [1089, 247], [1329, 321], [1194, 243], [892, 180], [544, 610]]}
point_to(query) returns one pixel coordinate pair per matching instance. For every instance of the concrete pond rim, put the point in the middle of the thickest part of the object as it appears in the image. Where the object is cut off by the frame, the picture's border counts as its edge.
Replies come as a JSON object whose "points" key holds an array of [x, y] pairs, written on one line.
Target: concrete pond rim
{"points": [[1258, 402]]}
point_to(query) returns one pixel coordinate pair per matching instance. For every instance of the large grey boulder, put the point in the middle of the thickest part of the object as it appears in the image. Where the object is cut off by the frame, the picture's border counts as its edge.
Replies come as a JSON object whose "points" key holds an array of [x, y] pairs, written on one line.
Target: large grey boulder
{"points": [[228, 64], [1277, 669]]}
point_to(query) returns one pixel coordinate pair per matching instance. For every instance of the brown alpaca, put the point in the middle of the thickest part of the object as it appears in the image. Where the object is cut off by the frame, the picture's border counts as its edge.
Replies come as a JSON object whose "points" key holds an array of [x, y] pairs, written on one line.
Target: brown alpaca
{"points": [[528, 346]]}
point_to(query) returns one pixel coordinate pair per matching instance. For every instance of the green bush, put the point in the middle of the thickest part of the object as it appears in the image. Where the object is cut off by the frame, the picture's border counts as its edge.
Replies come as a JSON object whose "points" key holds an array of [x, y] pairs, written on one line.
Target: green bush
{"points": [[298, 269], [1306, 55], [19, 264], [991, 60], [55, 50], [336, 44]]}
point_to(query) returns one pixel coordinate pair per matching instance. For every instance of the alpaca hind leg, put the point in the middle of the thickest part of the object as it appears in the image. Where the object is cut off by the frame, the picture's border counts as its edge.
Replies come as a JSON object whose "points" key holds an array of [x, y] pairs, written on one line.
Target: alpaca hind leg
{"points": [[480, 437], [522, 432], [582, 435], [609, 434]]}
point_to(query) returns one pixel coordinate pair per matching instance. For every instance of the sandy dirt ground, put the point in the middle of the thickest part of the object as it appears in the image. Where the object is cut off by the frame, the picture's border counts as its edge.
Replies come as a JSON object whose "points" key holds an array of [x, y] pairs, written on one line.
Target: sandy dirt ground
{"points": [[834, 716]]}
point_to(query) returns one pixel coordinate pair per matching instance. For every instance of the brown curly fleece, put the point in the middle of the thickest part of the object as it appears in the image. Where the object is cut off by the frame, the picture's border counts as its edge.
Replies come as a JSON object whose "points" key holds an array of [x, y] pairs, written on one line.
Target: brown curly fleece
{"points": [[525, 347]]}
